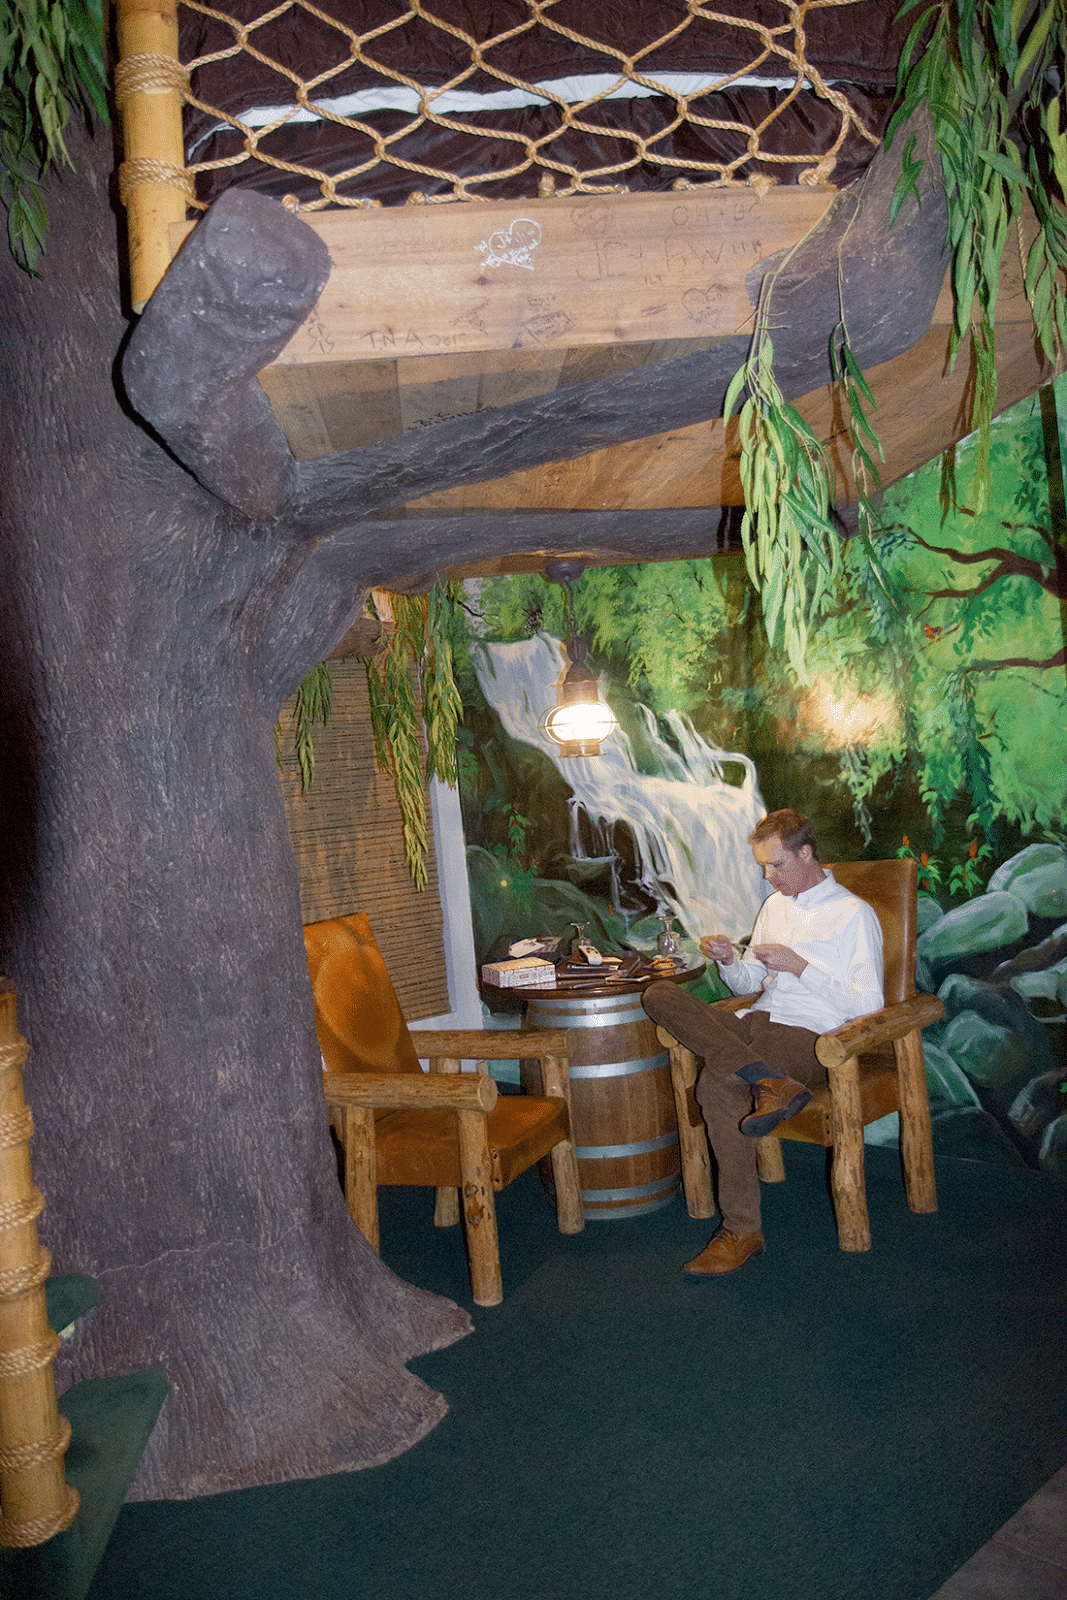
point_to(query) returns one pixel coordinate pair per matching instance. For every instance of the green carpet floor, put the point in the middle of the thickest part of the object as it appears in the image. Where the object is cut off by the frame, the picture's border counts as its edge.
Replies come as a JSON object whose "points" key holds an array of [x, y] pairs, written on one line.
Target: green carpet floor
{"points": [[820, 1427]]}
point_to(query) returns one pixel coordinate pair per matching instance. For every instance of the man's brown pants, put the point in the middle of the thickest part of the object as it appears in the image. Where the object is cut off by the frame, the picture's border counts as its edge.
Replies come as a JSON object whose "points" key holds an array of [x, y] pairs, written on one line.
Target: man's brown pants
{"points": [[728, 1043]]}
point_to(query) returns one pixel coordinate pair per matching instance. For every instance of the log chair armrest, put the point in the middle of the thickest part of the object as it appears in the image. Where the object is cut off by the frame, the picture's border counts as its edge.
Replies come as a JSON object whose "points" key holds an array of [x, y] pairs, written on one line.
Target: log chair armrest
{"points": [[403, 1090], [487, 1044], [736, 1002], [880, 1027]]}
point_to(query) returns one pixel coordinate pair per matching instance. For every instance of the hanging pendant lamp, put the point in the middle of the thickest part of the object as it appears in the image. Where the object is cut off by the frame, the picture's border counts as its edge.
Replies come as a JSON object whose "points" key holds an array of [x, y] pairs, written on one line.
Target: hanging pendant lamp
{"points": [[579, 720]]}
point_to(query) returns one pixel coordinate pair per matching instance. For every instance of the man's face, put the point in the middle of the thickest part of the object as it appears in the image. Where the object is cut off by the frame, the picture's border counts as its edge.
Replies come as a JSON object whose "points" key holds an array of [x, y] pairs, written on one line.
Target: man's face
{"points": [[788, 873]]}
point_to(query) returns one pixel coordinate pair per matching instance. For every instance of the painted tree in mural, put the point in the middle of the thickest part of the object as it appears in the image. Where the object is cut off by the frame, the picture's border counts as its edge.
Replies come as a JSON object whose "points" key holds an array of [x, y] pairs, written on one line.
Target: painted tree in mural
{"points": [[979, 628]]}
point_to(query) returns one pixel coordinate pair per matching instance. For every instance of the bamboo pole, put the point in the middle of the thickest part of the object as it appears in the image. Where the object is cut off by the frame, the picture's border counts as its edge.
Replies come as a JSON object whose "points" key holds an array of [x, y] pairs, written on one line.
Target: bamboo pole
{"points": [[35, 1500], [153, 183]]}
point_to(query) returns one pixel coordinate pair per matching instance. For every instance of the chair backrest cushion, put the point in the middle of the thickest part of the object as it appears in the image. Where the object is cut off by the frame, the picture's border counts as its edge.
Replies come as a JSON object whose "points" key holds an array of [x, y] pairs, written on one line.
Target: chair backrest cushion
{"points": [[891, 888], [357, 1015]]}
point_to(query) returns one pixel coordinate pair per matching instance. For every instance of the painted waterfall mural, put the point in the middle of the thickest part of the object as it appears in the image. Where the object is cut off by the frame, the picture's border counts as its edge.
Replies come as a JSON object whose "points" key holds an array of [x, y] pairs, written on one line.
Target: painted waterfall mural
{"points": [[688, 825], [934, 723]]}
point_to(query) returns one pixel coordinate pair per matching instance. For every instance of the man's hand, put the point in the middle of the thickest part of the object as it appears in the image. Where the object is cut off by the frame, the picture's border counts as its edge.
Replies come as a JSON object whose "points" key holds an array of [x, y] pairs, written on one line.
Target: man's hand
{"points": [[718, 947], [779, 958]]}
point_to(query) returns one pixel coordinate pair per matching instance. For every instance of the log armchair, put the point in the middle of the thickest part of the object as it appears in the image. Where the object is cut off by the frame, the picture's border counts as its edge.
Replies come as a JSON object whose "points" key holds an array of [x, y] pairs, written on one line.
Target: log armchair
{"points": [[447, 1130], [874, 1065]]}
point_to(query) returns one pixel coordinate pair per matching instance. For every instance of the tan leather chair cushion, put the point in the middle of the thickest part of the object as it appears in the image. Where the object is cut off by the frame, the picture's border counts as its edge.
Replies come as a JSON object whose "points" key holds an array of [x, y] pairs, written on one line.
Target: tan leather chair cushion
{"points": [[422, 1147], [357, 1015]]}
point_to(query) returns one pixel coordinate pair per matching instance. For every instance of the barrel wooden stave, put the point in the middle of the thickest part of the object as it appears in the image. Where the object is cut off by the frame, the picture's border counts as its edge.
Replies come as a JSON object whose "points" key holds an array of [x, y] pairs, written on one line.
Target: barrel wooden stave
{"points": [[624, 1122]]}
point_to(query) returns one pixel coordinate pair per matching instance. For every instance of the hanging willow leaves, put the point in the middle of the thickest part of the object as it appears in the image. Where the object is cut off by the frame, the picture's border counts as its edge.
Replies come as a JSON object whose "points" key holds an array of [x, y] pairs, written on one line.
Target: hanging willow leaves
{"points": [[991, 75], [792, 546], [392, 677], [442, 708], [51, 64], [313, 702], [413, 694]]}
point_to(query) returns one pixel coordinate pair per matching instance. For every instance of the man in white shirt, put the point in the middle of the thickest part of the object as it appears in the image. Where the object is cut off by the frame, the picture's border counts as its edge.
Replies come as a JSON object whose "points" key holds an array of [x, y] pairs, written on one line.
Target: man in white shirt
{"points": [[814, 961]]}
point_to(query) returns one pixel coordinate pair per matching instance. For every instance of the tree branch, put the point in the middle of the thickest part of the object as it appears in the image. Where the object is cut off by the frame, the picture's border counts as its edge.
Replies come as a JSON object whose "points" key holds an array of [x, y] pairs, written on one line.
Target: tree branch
{"points": [[405, 554], [250, 272], [1009, 564], [235, 294], [1057, 660]]}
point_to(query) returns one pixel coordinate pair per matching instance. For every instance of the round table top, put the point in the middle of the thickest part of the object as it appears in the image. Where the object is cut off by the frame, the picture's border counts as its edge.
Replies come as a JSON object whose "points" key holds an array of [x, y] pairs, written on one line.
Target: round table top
{"points": [[577, 987]]}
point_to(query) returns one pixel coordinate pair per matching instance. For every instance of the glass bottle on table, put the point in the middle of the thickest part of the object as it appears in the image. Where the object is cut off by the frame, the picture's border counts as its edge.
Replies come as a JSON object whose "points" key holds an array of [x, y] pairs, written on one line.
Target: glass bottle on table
{"points": [[668, 943]]}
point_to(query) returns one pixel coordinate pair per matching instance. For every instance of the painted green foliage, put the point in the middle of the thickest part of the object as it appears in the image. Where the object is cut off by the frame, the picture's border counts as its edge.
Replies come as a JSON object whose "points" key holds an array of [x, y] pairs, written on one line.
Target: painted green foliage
{"points": [[937, 685], [968, 660]]}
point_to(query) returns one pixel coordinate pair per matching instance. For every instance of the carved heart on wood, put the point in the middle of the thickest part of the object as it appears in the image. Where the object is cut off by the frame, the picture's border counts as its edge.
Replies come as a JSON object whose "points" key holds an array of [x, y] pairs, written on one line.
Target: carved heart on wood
{"points": [[514, 248]]}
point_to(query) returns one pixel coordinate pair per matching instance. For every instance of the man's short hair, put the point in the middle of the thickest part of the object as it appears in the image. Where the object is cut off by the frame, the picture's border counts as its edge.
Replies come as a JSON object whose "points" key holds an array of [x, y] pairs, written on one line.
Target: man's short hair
{"points": [[792, 827]]}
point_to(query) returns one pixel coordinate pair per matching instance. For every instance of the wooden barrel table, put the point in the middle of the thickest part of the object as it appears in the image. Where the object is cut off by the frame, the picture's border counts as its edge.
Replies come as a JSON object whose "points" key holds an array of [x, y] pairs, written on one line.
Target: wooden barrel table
{"points": [[622, 1106]]}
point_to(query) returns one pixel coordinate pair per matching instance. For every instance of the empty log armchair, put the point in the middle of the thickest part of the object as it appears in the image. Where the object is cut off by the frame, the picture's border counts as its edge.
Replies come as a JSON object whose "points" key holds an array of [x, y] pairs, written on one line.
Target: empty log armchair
{"points": [[874, 1065], [447, 1130]]}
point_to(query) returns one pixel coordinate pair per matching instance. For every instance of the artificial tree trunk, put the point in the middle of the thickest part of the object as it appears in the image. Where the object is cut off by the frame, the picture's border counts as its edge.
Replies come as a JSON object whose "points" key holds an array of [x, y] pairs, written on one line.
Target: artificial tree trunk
{"points": [[153, 922], [171, 574]]}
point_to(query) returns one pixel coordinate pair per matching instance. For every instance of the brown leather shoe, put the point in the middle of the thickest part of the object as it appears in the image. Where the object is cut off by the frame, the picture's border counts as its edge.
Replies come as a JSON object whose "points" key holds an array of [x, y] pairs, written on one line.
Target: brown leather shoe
{"points": [[775, 1100], [726, 1253]]}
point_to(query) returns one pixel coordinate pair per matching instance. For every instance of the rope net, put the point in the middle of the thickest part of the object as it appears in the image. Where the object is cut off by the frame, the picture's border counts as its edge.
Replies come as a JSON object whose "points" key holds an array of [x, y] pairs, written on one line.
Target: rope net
{"points": [[359, 104]]}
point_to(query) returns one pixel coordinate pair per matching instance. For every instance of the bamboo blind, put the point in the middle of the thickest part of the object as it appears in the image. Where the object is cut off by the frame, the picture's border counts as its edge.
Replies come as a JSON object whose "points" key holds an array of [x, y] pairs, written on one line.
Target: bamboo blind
{"points": [[347, 840]]}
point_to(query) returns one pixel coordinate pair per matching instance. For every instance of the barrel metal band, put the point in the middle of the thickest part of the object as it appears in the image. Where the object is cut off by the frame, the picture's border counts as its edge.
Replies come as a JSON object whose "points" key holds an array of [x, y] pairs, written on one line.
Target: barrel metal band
{"points": [[644, 1147], [578, 1014], [638, 1191], [618, 1069]]}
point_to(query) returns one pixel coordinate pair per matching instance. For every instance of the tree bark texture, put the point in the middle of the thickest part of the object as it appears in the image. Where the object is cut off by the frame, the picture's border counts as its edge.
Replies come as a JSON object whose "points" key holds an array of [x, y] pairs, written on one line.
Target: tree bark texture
{"points": [[153, 921], [171, 574]]}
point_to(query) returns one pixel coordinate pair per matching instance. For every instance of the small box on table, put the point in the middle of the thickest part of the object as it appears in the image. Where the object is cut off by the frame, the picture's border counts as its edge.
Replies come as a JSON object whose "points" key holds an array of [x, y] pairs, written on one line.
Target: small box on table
{"points": [[524, 972]]}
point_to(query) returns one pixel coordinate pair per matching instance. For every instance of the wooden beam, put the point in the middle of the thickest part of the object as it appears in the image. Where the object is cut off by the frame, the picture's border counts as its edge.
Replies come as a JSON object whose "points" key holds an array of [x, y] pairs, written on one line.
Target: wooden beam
{"points": [[528, 274]]}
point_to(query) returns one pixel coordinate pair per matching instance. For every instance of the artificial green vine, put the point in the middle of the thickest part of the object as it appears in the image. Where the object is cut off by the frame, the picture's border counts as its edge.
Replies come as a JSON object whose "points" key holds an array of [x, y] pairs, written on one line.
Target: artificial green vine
{"points": [[983, 69], [51, 61], [792, 548], [412, 689]]}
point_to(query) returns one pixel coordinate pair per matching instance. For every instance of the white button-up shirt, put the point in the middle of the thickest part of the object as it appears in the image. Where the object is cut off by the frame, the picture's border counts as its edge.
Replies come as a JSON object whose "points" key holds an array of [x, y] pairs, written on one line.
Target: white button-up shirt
{"points": [[840, 938]]}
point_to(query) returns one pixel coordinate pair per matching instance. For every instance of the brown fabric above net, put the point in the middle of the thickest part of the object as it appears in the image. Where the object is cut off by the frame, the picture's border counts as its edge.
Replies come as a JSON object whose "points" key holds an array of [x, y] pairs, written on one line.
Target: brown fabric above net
{"points": [[641, 94]]}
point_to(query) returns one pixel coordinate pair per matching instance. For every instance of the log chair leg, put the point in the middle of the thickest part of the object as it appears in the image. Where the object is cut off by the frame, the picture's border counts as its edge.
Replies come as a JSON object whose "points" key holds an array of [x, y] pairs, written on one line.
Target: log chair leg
{"points": [[446, 1201], [847, 1175], [769, 1161], [361, 1170], [479, 1208], [916, 1132], [692, 1136], [570, 1212]]}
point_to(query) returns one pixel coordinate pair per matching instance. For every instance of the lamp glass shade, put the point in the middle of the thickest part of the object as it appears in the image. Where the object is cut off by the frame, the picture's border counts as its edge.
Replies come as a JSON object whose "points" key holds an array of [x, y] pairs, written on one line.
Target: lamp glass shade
{"points": [[578, 725]]}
